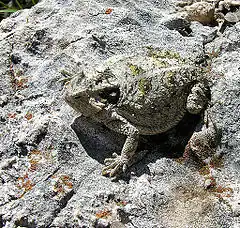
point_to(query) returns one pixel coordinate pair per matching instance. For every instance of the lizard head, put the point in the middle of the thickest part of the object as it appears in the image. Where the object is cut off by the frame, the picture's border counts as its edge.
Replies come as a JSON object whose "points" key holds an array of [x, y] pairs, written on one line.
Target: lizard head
{"points": [[92, 93]]}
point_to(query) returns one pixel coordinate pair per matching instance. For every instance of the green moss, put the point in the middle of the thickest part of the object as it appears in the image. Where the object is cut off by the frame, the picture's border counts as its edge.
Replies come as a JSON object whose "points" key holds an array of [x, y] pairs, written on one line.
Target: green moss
{"points": [[170, 74], [136, 70], [163, 54], [170, 77], [144, 85], [161, 63]]}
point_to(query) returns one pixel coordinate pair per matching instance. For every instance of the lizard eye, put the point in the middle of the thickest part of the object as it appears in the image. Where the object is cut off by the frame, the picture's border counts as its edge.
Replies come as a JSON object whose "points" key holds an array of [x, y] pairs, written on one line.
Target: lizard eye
{"points": [[77, 97], [110, 94]]}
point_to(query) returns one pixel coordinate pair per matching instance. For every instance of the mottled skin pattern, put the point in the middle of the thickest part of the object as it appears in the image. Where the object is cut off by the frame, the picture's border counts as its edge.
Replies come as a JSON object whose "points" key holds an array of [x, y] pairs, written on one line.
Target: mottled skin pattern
{"points": [[138, 95]]}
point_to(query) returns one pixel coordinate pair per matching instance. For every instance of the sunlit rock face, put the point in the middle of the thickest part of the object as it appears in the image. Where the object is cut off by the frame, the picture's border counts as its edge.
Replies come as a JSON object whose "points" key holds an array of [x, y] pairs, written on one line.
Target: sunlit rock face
{"points": [[51, 161]]}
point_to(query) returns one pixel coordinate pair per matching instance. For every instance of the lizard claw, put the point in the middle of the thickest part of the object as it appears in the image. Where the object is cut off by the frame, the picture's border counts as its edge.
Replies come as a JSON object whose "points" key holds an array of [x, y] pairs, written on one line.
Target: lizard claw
{"points": [[114, 166]]}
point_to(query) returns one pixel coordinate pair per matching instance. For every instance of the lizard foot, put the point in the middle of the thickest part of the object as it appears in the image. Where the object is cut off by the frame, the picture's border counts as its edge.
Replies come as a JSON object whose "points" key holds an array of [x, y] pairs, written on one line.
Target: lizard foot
{"points": [[114, 165]]}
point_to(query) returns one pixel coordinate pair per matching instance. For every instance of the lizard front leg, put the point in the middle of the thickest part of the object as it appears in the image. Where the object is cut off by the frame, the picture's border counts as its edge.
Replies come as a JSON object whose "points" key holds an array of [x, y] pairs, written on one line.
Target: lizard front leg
{"points": [[197, 99], [120, 162], [203, 142]]}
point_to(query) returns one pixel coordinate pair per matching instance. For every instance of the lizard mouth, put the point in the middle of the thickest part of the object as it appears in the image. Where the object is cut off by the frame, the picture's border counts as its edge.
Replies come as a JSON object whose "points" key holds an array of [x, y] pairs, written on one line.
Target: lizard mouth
{"points": [[103, 98], [97, 104]]}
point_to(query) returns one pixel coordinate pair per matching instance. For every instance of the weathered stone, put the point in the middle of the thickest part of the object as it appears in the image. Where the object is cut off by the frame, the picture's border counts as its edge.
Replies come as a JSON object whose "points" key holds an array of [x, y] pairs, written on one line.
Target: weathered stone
{"points": [[56, 180]]}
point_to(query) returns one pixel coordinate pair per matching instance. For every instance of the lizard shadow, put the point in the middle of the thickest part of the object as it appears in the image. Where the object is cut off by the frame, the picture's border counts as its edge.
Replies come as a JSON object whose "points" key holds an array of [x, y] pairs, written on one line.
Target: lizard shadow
{"points": [[170, 144], [100, 142]]}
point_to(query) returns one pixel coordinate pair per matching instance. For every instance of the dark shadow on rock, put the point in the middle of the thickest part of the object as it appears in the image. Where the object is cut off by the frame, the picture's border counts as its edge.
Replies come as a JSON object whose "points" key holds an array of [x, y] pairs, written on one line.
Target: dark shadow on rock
{"points": [[170, 144], [179, 24], [100, 142]]}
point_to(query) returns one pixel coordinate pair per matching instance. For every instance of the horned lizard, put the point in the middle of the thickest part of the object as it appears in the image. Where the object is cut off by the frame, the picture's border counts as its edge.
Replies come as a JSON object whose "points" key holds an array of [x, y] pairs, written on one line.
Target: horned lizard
{"points": [[138, 95]]}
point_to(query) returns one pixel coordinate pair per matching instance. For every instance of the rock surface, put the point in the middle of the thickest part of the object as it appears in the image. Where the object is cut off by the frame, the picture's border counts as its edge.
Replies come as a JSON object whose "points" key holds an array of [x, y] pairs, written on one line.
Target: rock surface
{"points": [[50, 165]]}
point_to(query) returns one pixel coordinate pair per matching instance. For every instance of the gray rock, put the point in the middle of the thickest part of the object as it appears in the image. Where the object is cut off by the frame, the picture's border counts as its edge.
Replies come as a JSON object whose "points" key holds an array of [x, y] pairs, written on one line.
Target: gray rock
{"points": [[56, 180], [3, 100], [233, 16]]}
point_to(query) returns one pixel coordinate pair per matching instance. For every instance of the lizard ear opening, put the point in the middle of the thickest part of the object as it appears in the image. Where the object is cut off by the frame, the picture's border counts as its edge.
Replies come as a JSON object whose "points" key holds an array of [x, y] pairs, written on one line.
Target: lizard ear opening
{"points": [[110, 94]]}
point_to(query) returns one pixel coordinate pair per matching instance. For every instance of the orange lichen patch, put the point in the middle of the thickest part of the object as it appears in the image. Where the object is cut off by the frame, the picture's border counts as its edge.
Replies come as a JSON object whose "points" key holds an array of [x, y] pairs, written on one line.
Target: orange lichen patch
{"points": [[24, 184], [66, 181], [20, 83], [58, 187], [103, 214], [213, 183], [61, 184], [33, 167], [226, 190], [65, 177], [35, 152], [36, 155], [28, 116], [34, 158], [108, 11], [38, 159], [221, 191], [213, 53], [33, 162], [69, 185], [12, 115], [228, 195], [222, 195]]}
